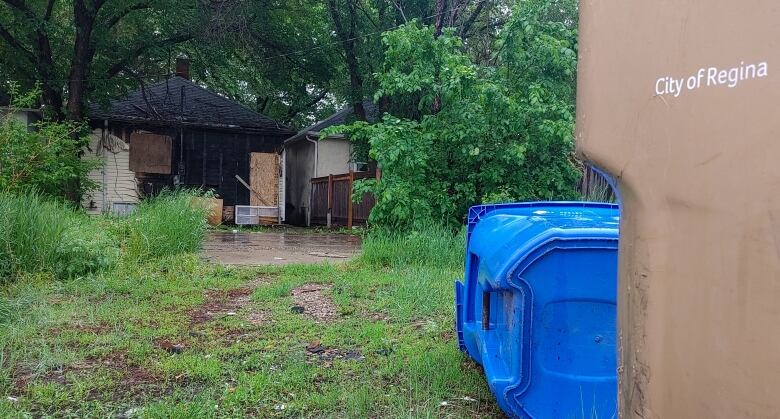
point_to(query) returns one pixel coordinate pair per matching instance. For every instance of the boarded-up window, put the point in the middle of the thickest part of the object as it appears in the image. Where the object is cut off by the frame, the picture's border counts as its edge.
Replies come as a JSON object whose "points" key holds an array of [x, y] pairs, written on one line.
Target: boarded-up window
{"points": [[264, 179], [150, 153]]}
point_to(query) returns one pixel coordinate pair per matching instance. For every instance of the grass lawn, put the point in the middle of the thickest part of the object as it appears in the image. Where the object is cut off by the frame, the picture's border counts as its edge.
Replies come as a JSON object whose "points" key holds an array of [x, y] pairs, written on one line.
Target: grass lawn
{"points": [[177, 337]]}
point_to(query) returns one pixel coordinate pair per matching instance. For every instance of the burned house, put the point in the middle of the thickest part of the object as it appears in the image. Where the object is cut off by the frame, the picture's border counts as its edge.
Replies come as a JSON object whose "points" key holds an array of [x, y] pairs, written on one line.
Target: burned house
{"points": [[176, 133]]}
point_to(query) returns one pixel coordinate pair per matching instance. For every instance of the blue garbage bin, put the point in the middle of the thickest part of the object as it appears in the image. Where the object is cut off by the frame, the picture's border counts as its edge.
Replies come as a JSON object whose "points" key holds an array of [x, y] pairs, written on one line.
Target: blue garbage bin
{"points": [[537, 306]]}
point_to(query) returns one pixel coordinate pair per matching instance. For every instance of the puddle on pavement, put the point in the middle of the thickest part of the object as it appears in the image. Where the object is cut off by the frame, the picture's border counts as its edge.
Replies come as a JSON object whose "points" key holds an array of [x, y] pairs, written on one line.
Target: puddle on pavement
{"points": [[264, 248]]}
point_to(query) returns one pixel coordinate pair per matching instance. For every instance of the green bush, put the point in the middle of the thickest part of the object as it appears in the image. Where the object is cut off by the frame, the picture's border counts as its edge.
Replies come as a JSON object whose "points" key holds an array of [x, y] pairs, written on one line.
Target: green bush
{"points": [[47, 158], [168, 224], [41, 235], [84, 247]]}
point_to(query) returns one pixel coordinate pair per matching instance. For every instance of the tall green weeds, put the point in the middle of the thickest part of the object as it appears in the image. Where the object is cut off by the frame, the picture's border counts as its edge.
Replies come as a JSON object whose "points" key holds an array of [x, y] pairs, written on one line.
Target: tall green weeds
{"points": [[39, 235], [433, 246], [170, 223]]}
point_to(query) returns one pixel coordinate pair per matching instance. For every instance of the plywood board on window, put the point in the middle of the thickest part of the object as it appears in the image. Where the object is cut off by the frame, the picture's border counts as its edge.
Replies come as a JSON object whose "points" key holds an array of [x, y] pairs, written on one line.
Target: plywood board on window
{"points": [[264, 179], [150, 153]]}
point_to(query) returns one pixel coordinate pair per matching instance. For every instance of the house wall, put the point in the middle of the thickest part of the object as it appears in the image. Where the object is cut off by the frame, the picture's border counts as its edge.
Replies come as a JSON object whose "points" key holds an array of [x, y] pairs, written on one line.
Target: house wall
{"points": [[117, 184], [211, 159], [334, 156], [26, 116], [299, 169]]}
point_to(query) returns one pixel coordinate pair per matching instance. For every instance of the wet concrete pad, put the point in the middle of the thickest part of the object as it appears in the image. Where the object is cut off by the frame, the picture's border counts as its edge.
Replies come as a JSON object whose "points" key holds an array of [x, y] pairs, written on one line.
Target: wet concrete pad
{"points": [[272, 248]]}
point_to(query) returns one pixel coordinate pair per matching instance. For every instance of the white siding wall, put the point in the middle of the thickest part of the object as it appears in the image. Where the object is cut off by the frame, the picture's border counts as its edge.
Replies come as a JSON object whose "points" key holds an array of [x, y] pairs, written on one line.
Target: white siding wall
{"points": [[116, 182], [333, 155]]}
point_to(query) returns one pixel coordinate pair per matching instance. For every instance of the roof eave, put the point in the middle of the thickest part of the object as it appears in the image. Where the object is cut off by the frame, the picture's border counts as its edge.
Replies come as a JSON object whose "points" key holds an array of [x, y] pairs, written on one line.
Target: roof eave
{"points": [[176, 124]]}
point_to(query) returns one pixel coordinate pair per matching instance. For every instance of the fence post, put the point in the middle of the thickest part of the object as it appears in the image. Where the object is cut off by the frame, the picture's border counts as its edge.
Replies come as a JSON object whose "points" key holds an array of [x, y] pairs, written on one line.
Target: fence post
{"points": [[330, 200], [378, 174], [349, 198]]}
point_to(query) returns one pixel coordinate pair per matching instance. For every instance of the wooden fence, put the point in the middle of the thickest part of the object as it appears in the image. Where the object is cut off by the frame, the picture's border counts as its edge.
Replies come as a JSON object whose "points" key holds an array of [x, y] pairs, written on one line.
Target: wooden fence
{"points": [[595, 187], [331, 200]]}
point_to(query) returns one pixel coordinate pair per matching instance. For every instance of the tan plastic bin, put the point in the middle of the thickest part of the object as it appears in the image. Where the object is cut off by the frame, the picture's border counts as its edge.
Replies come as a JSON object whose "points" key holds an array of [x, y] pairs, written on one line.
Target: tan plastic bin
{"points": [[680, 102], [215, 213]]}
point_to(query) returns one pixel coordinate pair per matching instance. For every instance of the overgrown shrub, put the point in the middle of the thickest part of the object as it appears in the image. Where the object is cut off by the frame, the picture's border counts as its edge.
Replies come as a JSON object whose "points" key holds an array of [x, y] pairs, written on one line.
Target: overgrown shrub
{"points": [[46, 158], [85, 247], [170, 223], [42, 235]]}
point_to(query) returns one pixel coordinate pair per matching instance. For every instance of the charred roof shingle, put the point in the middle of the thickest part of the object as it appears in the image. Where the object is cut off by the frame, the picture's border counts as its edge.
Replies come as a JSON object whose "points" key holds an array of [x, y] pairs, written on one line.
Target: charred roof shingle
{"points": [[181, 101]]}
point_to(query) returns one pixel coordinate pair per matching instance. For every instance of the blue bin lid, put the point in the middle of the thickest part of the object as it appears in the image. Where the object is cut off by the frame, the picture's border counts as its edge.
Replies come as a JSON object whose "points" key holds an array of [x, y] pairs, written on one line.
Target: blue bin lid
{"points": [[503, 226], [550, 270]]}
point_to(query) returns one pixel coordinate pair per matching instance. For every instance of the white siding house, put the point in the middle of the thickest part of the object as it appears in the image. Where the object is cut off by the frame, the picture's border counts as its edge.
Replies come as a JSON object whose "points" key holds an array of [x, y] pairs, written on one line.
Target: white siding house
{"points": [[118, 191]]}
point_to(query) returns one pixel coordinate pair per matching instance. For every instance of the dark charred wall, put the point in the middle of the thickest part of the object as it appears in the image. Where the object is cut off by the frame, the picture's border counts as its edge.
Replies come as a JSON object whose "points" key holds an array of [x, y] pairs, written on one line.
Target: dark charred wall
{"points": [[213, 159], [210, 159]]}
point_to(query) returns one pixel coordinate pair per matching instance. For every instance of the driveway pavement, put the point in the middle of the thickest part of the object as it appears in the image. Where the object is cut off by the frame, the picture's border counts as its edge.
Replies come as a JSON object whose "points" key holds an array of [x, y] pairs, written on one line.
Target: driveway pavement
{"points": [[272, 248]]}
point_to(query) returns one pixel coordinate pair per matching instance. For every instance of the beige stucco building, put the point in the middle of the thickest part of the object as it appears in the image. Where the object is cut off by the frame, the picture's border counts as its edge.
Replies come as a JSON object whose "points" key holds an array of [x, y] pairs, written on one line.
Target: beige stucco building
{"points": [[308, 155]]}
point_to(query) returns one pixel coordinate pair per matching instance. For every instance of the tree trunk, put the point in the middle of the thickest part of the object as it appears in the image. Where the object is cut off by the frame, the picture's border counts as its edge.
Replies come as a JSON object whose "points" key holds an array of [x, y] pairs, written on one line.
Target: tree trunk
{"points": [[84, 20], [441, 10], [348, 43]]}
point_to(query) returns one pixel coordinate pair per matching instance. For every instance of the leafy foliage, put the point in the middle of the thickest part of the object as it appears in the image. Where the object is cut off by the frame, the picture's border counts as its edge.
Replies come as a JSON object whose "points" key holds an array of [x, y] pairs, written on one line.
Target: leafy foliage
{"points": [[295, 60], [486, 133], [44, 158]]}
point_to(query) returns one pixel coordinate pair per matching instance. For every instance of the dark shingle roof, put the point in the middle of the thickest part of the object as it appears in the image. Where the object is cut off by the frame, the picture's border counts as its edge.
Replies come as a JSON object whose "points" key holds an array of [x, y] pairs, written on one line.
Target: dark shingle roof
{"points": [[339, 118], [181, 101]]}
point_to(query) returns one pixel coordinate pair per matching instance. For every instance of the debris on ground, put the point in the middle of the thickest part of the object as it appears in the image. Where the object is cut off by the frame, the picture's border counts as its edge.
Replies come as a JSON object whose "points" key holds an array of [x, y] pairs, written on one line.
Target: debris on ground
{"points": [[170, 347], [328, 255], [316, 352], [314, 302]]}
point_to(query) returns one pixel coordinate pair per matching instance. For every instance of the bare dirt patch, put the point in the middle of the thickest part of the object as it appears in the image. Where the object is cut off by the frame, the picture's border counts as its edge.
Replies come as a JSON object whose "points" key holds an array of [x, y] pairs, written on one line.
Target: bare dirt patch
{"points": [[93, 329], [221, 303], [231, 336], [134, 380], [313, 301], [169, 346]]}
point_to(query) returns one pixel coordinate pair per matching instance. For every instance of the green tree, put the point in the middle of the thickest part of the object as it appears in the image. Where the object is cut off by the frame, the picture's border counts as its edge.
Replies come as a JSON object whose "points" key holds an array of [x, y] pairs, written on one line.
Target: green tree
{"points": [[498, 133], [80, 47]]}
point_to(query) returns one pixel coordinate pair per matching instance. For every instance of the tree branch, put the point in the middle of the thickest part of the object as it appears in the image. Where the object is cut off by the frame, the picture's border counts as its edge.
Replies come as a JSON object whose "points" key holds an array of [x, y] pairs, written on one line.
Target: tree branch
{"points": [[441, 10], [115, 19], [367, 15], [464, 30], [15, 44], [121, 64], [401, 10], [49, 9], [295, 110]]}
